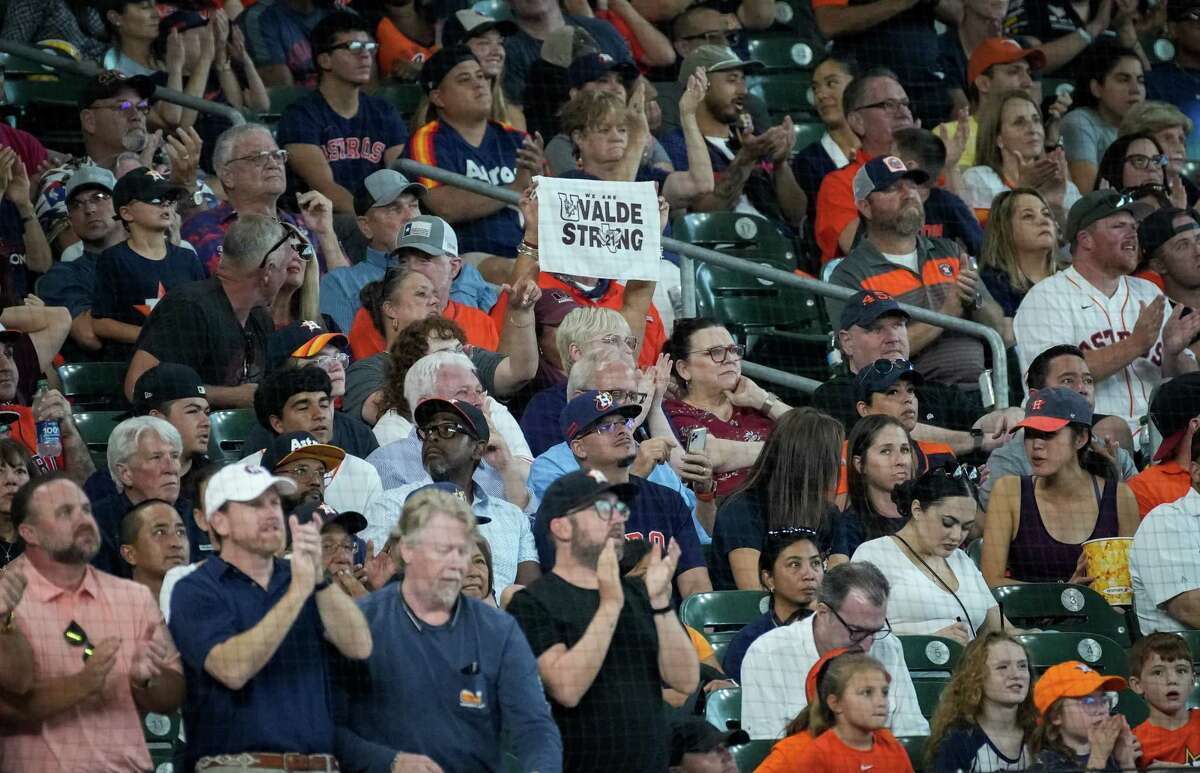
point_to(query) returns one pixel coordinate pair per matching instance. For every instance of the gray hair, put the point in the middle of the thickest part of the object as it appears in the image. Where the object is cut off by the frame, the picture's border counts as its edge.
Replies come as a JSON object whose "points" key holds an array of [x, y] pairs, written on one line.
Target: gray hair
{"points": [[585, 324], [223, 150], [422, 506], [861, 576], [123, 442], [421, 379], [583, 376], [247, 241]]}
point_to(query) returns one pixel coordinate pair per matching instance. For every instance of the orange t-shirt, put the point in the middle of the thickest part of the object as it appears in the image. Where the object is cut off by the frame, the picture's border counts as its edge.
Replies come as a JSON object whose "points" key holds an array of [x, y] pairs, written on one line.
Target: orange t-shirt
{"points": [[1159, 484], [366, 340], [784, 754], [395, 46], [1161, 745], [835, 201], [828, 754]]}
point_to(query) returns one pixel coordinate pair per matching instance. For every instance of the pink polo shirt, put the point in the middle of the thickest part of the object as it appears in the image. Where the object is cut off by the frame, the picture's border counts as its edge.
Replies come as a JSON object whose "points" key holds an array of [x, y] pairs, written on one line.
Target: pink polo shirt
{"points": [[104, 733]]}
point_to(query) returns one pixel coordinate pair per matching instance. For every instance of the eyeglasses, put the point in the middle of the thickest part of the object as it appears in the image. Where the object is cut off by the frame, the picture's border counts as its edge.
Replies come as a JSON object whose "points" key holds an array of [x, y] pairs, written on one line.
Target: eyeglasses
{"points": [[444, 431], [82, 202], [305, 472], [720, 354], [305, 250], [731, 38], [626, 396], [1103, 702], [608, 428], [328, 359], [356, 47], [859, 635], [1141, 161], [263, 156], [332, 546], [893, 106], [77, 637], [125, 105], [612, 339], [606, 509]]}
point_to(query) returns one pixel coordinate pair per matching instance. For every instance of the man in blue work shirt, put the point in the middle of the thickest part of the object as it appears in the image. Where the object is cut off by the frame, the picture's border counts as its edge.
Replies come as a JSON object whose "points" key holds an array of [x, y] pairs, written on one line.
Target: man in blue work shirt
{"points": [[252, 629], [450, 675]]}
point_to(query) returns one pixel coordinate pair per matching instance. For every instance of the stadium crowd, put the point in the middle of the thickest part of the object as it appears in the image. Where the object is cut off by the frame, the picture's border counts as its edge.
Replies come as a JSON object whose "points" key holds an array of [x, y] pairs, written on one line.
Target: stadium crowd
{"points": [[307, 464]]}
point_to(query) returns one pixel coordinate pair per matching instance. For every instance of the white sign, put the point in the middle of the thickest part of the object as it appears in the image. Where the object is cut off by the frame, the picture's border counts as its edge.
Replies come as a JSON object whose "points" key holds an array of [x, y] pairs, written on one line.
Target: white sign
{"points": [[598, 229]]}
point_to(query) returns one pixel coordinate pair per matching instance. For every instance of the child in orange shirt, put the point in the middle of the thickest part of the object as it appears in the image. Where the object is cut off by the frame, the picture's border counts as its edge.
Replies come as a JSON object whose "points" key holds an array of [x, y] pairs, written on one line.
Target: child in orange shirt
{"points": [[1160, 667], [845, 718]]}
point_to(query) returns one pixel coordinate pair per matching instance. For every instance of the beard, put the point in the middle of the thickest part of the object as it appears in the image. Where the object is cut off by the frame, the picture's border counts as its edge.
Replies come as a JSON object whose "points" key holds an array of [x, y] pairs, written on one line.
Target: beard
{"points": [[76, 552], [134, 140], [909, 221], [588, 554]]}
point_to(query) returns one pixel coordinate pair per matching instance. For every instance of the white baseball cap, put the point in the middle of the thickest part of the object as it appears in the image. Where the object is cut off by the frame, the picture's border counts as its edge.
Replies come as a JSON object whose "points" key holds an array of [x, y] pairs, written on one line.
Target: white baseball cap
{"points": [[241, 483]]}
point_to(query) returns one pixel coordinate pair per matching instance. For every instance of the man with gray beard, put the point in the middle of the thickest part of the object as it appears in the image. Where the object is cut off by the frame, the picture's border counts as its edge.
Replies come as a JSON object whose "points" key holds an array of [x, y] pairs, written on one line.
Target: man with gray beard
{"points": [[450, 676], [605, 645], [936, 274]]}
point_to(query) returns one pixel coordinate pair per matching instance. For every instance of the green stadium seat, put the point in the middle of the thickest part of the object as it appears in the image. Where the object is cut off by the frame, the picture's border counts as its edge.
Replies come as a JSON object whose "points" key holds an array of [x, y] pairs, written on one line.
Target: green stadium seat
{"points": [[719, 615], [1057, 86], [930, 657], [915, 746], [229, 431], [781, 53], [723, 708], [405, 97], [282, 97], [161, 732], [1133, 707], [94, 385], [786, 93], [1193, 641], [95, 427], [808, 133], [1100, 652], [1061, 607], [497, 9], [749, 756], [975, 550]]}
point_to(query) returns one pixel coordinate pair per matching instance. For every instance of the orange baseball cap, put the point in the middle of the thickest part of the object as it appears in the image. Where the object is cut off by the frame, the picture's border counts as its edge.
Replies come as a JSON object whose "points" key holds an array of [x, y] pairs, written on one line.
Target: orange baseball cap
{"points": [[1071, 679], [1001, 51]]}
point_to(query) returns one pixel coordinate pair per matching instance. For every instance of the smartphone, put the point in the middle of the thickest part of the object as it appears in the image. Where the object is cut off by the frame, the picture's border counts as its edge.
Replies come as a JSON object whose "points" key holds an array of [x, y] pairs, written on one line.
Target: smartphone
{"points": [[697, 439]]}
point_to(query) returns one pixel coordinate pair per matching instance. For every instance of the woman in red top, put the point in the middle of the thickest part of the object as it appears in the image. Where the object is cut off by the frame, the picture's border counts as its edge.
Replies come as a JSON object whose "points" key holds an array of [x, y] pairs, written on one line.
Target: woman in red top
{"points": [[712, 393]]}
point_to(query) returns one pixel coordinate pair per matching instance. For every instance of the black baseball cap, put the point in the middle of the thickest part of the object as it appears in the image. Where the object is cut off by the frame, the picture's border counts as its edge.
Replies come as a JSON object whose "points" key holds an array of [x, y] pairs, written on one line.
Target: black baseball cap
{"points": [[353, 522], [1098, 205], [1175, 404], [301, 339], [881, 173], [696, 736], [472, 418], [1052, 408], [1183, 10], [109, 83], [594, 66], [145, 184], [575, 490], [441, 63], [164, 382], [881, 374], [1159, 227], [300, 445], [469, 23], [590, 407], [866, 306]]}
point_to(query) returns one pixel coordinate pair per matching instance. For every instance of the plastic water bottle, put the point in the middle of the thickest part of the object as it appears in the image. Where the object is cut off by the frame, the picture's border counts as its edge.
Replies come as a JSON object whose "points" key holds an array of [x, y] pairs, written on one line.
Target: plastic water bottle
{"points": [[49, 434]]}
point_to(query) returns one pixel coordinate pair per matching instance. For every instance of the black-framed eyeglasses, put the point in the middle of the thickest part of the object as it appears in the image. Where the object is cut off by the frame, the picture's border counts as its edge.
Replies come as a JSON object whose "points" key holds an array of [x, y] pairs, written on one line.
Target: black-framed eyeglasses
{"points": [[607, 428], [626, 396], [263, 156], [720, 354], [356, 47], [731, 38], [444, 431], [77, 637], [859, 635], [606, 508], [1142, 161], [304, 472], [891, 105]]}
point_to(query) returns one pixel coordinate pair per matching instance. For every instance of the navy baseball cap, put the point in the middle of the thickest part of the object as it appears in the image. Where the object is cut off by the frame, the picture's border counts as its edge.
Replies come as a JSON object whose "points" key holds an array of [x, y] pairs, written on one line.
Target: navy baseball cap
{"points": [[472, 417], [144, 184], [300, 445], [1051, 409], [881, 173], [881, 374], [164, 382], [450, 488], [1159, 228], [594, 66], [302, 339], [696, 735], [1175, 404], [590, 407], [441, 63], [349, 520], [866, 306], [575, 490], [109, 83]]}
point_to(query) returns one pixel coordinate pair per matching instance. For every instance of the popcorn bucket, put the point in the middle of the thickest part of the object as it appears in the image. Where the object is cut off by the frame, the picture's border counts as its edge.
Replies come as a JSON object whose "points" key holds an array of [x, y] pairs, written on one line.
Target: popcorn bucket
{"points": [[1108, 562]]}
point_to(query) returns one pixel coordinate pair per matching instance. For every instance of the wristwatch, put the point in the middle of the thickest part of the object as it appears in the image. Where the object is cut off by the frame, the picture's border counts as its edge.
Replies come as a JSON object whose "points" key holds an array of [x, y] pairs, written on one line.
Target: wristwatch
{"points": [[977, 439]]}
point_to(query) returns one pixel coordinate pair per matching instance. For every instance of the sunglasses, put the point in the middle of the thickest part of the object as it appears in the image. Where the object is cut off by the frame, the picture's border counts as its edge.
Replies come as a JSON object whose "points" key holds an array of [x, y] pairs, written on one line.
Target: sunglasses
{"points": [[356, 47], [606, 509], [304, 250], [626, 396], [444, 431], [77, 637], [126, 105]]}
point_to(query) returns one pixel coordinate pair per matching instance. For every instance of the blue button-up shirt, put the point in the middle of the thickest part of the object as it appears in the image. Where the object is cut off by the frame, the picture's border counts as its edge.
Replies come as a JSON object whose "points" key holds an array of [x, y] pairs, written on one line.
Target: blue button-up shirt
{"points": [[287, 705]]}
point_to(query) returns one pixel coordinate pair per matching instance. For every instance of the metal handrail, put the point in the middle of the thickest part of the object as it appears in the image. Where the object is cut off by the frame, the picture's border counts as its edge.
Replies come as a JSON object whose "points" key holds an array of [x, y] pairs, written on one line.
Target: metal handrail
{"points": [[89, 70], [814, 286]]}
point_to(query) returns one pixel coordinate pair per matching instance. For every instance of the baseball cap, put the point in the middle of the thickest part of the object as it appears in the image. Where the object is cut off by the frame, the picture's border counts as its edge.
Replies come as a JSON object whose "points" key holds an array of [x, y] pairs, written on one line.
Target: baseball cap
{"points": [[472, 417], [1159, 227], [109, 83], [89, 177], [1052, 408], [881, 374], [382, 187], [300, 445], [881, 173], [1183, 10], [1098, 205], [1071, 679], [241, 483], [866, 306], [353, 522], [181, 20], [441, 63], [993, 51], [694, 735], [144, 184], [716, 59], [575, 490], [302, 339], [565, 44], [469, 23], [595, 65], [553, 307], [429, 234], [589, 408], [1175, 404], [164, 382]]}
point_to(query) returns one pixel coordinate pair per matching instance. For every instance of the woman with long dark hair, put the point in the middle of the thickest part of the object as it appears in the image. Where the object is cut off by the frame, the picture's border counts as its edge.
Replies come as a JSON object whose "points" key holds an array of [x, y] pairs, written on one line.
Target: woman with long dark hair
{"points": [[879, 456], [1112, 79], [16, 468]]}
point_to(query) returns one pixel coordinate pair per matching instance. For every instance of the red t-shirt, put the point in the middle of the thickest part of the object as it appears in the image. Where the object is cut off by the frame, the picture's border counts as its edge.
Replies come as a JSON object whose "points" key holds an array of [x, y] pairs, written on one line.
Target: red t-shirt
{"points": [[835, 206], [31, 152], [745, 424], [1161, 745], [828, 754]]}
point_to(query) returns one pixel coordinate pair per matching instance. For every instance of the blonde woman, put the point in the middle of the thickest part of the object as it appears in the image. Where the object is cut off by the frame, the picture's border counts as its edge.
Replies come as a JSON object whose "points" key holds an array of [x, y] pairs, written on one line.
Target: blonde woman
{"points": [[1018, 249]]}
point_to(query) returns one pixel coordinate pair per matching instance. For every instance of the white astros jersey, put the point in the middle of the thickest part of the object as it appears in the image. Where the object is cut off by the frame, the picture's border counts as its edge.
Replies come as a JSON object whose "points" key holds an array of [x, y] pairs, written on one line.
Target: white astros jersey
{"points": [[1067, 309]]}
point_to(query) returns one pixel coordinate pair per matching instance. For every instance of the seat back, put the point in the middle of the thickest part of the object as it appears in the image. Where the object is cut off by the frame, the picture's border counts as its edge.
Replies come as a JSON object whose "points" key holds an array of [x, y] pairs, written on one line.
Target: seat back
{"points": [[228, 434], [405, 97], [95, 427], [723, 708], [930, 657], [748, 756], [781, 53], [1061, 607], [915, 746], [806, 134], [1100, 652], [94, 385], [161, 733], [719, 615], [788, 93]]}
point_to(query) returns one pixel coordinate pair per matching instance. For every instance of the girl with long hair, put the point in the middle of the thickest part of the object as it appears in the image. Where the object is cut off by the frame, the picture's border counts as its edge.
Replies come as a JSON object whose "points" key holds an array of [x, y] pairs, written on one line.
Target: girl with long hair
{"points": [[1112, 80], [879, 456]]}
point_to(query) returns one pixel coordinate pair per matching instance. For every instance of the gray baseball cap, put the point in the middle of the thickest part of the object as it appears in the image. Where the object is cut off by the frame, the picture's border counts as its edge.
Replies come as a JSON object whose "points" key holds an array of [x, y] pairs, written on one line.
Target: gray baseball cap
{"points": [[716, 59], [382, 187], [90, 176], [429, 234]]}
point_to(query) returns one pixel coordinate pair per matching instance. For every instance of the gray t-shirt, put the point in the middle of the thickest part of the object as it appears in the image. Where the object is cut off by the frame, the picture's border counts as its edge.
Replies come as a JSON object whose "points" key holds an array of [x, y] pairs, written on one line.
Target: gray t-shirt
{"points": [[1011, 459], [367, 376], [1086, 136]]}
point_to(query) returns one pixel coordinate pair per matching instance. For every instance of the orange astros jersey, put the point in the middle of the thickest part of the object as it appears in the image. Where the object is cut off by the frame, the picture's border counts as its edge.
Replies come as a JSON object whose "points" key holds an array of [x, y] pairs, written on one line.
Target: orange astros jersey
{"points": [[1162, 745]]}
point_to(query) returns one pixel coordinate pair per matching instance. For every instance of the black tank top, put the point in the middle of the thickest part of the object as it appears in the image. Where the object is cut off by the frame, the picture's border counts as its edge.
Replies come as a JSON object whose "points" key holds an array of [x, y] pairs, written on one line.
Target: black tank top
{"points": [[1035, 556]]}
